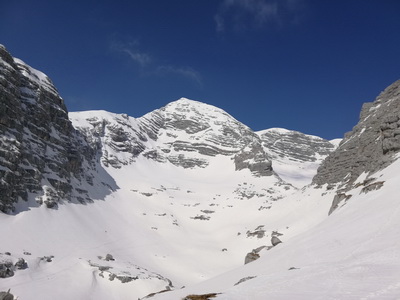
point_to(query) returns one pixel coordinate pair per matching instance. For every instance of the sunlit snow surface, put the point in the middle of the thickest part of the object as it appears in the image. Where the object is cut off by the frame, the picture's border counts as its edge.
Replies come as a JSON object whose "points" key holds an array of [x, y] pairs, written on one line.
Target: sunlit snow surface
{"points": [[193, 228], [151, 225], [352, 254]]}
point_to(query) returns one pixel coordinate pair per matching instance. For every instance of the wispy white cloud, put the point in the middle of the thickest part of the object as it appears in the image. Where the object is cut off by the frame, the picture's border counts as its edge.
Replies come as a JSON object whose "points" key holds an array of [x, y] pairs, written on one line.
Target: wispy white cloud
{"points": [[186, 72], [150, 66], [139, 57], [132, 50], [244, 14]]}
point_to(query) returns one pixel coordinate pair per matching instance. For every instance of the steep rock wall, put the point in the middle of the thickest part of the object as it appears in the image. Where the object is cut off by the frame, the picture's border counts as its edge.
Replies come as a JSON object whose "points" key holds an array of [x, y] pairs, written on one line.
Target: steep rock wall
{"points": [[41, 154], [372, 145]]}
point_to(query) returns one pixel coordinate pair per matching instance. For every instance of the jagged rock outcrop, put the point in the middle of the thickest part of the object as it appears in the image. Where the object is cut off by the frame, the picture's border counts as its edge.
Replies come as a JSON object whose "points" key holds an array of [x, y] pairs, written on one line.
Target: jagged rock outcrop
{"points": [[296, 156], [370, 146], [275, 240], [41, 154], [185, 133], [6, 296], [295, 145], [253, 255]]}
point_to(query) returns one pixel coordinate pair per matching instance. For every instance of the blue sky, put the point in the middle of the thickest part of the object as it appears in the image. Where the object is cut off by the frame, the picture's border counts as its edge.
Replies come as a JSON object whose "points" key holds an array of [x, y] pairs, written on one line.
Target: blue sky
{"points": [[305, 65]]}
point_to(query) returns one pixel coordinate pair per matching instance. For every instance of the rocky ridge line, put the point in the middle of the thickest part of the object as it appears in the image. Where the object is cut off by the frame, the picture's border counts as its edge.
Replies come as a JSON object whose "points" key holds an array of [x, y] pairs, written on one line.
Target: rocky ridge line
{"points": [[371, 146], [185, 133], [42, 156]]}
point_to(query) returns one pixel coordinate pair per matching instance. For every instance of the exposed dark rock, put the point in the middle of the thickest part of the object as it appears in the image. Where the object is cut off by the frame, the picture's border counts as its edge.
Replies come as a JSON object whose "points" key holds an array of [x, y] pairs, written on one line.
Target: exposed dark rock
{"points": [[206, 211], [370, 146], [245, 279], [109, 257], [201, 217], [253, 255], [47, 258], [21, 264], [104, 268], [339, 197], [37, 137], [372, 187], [201, 297], [125, 279], [111, 276], [275, 240], [168, 289], [259, 232], [6, 296], [294, 145], [6, 269], [255, 159]]}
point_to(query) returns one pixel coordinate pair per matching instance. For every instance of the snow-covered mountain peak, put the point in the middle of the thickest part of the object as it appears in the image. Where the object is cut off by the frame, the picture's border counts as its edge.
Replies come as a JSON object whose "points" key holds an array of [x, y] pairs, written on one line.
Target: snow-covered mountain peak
{"points": [[186, 106], [184, 133], [194, 116]]}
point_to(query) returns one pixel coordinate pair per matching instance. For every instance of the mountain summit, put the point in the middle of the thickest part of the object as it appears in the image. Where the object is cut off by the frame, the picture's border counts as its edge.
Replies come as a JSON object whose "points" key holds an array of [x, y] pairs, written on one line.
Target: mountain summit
{"points": [[185, 133]]}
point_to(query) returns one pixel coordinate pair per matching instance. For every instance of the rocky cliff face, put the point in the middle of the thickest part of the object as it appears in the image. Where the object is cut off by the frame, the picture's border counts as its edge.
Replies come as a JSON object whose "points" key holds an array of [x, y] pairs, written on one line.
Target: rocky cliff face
{"points": [[294, 145], [185, 133], [295, 155], [41, 154], [372, 144]]}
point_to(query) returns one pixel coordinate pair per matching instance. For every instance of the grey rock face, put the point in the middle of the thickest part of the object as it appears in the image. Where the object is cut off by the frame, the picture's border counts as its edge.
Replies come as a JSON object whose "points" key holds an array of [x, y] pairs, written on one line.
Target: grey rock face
{"points": [[6, 296], [251, 256], [6, 269], [21, 264], [40, 151], [339, 197], [185, 133], [259, 232], [209, 131], [275, 241], [294, 145], [109, 257], [255, 159], [302, 152], [370, 146], [245, 279]]}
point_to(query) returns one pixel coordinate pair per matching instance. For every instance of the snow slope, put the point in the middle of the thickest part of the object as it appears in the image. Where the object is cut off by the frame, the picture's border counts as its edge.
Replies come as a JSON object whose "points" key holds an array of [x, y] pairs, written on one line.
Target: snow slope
{"points": [[352, 254], [149, 226], [162, 223]]}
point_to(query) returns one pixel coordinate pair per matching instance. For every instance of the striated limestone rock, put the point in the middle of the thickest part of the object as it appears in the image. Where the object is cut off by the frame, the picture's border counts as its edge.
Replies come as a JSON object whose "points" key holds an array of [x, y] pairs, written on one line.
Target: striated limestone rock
{"points": [[6, 296], [41, 154], [295, 145], [253, 255], [302, 152], [275, 240], [370, 146], [185, 133]]}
